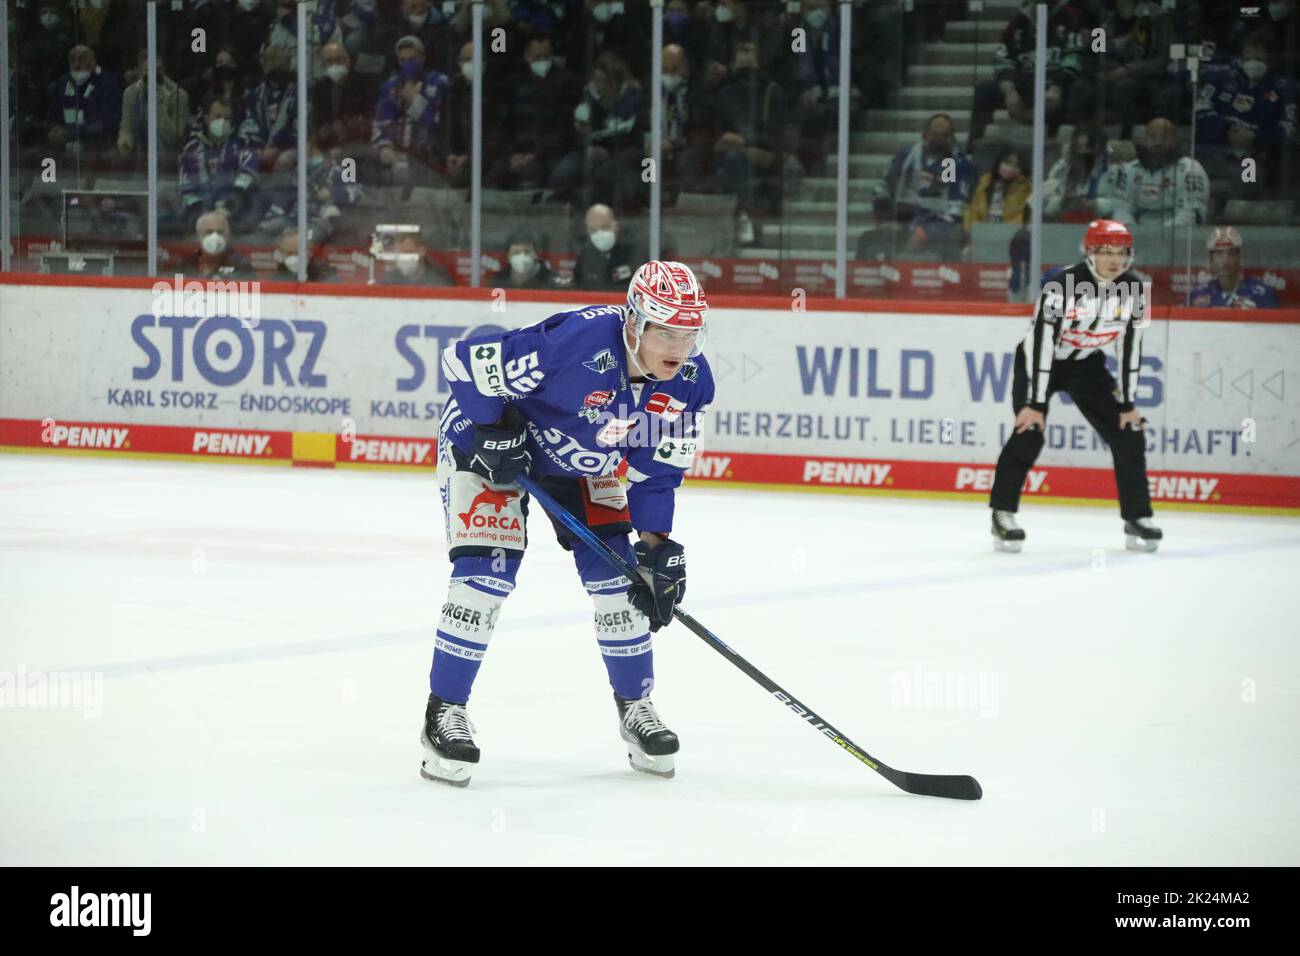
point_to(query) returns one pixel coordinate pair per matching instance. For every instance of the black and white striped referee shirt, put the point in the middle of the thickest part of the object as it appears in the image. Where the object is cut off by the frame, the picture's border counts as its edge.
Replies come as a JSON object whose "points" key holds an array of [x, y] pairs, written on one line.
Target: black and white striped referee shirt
{"points": [[1077, 314]]}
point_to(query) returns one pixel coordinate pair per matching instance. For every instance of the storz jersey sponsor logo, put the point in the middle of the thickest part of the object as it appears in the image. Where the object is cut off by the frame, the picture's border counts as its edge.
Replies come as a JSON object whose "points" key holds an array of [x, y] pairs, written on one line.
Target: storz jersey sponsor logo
{"points": [[567, 452], [602, 361], [511, 380]]}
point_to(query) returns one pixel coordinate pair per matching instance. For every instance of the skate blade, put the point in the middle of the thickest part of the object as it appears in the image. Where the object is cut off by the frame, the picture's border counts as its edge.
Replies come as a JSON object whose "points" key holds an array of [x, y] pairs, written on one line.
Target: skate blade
{"points": [[454, 773], [655, 766], [1009, 547], [1134, 543], [435, 767]]}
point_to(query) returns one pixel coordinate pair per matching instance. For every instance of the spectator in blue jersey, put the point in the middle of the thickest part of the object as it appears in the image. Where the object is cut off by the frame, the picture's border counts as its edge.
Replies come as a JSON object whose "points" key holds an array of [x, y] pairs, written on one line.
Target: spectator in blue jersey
{"points": [[85, 105], [327, 196], [1246, 110], [412, 118], [923, 199], [271, 110], [218, 170], [1229, 288]]}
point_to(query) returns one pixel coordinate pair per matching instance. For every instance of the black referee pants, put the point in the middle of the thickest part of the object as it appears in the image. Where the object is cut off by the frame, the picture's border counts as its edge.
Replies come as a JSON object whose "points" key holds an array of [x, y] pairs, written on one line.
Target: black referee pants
{"points": [[1093, 390]]}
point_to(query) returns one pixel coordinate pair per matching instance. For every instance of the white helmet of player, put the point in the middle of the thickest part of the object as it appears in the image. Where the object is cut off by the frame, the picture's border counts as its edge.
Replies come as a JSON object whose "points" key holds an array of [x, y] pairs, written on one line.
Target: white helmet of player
{"points": [[668, 296]]}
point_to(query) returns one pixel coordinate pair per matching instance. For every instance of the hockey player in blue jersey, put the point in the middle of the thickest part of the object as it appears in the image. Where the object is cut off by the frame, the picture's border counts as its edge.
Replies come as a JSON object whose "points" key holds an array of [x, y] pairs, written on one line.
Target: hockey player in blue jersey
{"points": [[1230, 288], [567, 401]]}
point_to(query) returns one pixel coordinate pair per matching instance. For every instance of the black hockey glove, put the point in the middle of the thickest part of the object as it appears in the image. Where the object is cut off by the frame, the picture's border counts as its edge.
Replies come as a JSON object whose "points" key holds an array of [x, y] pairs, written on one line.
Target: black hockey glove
{"points": [[665, 563], [501, 451]]}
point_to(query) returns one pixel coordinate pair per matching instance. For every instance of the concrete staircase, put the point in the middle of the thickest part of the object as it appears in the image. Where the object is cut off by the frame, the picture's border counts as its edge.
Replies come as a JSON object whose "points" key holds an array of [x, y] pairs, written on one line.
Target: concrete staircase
{"points": [[941, 79]]}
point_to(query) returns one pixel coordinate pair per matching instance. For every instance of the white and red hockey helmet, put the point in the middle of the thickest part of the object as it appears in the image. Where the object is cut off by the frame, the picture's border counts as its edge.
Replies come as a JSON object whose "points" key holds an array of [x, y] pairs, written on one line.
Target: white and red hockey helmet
{"points": [[1107, 234], [668, 294], [1223, 237]]}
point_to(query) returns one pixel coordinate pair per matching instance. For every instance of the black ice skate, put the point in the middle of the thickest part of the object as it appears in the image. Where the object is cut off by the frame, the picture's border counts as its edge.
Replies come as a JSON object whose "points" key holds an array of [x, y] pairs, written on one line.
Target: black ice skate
{"points": [[1007, 535], [1141, 535], [650, 745], [449, 750]]}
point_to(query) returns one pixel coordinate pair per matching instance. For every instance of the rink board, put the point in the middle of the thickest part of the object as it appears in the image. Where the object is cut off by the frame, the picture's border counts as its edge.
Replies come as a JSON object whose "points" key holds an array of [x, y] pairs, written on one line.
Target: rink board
{"points": [[846, 396]]}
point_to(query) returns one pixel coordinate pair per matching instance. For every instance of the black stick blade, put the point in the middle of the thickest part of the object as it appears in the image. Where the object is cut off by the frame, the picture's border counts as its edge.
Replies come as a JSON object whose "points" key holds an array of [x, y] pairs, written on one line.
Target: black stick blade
{"points": [[952, 786]]}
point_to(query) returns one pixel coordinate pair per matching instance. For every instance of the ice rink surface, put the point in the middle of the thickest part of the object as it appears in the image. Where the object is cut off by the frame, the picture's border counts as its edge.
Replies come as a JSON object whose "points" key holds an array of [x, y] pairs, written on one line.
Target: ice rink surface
{"points": [[255, 645]]}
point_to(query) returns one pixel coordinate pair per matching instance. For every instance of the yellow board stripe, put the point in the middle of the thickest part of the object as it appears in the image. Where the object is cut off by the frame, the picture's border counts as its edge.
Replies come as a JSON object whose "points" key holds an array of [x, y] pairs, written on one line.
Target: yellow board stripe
{"points": [[314, 447]]}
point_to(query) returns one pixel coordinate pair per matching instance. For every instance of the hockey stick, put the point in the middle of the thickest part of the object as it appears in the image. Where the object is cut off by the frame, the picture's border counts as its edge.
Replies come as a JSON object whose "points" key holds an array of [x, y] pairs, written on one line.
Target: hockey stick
{"points": [[954, 786]]}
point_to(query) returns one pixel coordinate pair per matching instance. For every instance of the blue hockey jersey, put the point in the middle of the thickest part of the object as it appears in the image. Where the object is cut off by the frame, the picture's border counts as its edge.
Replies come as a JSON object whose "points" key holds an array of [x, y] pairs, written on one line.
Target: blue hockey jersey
{"points": [[1249, 294], [569, 379]]}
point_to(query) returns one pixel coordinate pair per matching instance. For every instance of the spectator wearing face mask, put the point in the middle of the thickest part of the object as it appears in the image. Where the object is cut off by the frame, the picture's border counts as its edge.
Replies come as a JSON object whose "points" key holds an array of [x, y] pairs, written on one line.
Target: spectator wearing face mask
{"points": [[524, 267], [621, 27], [286, 259], [922, 201], [429, 24], [218, 169], [1002, 194], [224, 81], [44, 49], [496, 135], [340, 102], [322, 30], [412, 118], [732, 23], [1161, 187], [749, 115], [610, 122], [605, 261], [688, 30], [173, 119], [270, 112], [1245, 111], [533, 137], [214, 258], [85, 111], [688, 135], [412, 266]]}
